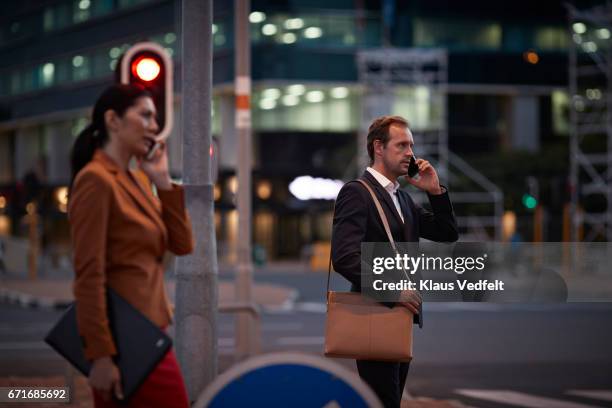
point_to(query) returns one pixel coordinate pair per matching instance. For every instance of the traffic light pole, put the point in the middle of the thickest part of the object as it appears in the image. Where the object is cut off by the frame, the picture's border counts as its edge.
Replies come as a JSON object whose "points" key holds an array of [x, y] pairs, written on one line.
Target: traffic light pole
{"points": [[197, 274], [247, 336]]}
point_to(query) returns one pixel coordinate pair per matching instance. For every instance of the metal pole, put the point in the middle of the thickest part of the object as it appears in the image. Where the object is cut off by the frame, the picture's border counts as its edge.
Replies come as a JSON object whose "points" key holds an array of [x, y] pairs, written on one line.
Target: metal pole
{"points": [[574, 169], [197, 274], [247, 339]]}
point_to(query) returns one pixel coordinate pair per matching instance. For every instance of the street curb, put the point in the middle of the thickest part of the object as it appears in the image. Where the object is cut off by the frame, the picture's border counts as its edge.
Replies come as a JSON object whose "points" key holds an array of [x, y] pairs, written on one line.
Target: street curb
{"points": [[25, 300], [14, 297]]}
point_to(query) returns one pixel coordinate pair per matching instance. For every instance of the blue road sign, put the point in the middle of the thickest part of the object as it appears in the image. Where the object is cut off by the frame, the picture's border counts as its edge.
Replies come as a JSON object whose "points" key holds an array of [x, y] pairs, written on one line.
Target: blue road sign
{"points": [[288, 380]]}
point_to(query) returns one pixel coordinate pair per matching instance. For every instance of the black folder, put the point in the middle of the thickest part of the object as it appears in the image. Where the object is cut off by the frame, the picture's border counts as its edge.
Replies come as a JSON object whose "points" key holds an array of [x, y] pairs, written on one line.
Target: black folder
{"points": [[140, 343]]}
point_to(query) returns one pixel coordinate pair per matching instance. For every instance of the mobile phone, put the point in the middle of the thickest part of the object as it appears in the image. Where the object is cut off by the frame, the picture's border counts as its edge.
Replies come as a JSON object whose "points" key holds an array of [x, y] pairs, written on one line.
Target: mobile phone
{"points": [[413, 169], [152, 151]]}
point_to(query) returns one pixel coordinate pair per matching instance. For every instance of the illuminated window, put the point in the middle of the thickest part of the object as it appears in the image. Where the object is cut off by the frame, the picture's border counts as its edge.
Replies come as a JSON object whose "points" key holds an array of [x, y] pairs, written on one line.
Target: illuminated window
{"points": [[47, 74], [551, 38], [81, 10], [305, 108], [83, 70], [456, 34], [560, 112], [48, 19], [419, 105]]}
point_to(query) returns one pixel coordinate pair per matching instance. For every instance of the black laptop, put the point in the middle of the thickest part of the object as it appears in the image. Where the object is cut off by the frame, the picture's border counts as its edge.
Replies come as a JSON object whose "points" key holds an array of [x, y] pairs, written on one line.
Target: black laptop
{"points": [[140, 343]]}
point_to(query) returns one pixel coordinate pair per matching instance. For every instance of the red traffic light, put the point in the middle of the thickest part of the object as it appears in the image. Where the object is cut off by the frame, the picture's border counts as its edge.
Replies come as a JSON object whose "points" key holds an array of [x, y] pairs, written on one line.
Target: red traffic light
{"points": [[149, 65], [146, 68]]}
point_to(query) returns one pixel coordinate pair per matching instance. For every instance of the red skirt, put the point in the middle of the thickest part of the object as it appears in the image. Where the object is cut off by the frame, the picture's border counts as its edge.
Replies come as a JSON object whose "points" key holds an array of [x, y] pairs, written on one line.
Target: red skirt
{"points": [[164, 387]]}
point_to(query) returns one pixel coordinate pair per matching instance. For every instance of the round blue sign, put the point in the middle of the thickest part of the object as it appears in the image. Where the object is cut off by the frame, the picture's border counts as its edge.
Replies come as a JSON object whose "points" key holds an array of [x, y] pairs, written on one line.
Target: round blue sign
{"points": [[288, 379]]}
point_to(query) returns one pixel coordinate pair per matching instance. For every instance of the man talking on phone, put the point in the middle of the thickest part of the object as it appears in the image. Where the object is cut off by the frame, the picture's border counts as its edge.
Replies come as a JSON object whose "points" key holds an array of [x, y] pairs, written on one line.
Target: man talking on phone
{"points": [[356, 220]]}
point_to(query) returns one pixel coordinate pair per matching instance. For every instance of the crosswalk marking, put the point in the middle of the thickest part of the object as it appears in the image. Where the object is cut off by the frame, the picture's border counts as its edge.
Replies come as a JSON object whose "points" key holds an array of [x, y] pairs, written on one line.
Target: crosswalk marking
{"points": [[520, 399], [604, 395]]}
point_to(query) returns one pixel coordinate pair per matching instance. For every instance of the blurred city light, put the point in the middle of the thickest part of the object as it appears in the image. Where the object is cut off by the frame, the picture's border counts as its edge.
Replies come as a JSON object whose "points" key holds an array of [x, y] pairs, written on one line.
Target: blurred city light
{"points": [[215, 29], [114, 52], [589, 46], [294, 23], [593, 94], [315, 96], [577, 38], [508, 225], [313, 32], [146, 69], [339, 92], [309, 188], [84, 4], [257, 17], [579, 28], [269, 29], [264, 189], [48, 72], [603, 33], [529, 201], [232, 184], [421, 93], [61, 196], [217, 192], [5, 225], [289, 38], [297, 89], [77, 61], [291, 100], [531, 57], [169, 38], [2, 202], [271, 93], [267, 104]]}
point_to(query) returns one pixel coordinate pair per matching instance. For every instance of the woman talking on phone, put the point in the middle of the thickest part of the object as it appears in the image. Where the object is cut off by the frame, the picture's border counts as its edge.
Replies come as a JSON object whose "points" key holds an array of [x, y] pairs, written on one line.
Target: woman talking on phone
{"points": [[120, 232]]}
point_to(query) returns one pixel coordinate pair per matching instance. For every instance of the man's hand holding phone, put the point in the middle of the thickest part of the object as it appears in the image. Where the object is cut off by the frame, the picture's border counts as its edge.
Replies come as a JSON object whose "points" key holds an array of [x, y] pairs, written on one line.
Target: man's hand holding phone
{"points": [[426, 178]]}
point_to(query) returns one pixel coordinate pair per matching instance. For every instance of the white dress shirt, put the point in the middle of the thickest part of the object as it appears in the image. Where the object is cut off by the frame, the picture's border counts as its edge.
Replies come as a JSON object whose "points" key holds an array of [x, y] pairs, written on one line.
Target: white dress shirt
{"points": [[390, 187]]}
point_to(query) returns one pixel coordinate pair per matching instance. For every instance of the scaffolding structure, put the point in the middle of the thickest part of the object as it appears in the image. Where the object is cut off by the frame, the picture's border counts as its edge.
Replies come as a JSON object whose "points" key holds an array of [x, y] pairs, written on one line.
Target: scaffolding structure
{"points": [[380, 71], [590, 83]]}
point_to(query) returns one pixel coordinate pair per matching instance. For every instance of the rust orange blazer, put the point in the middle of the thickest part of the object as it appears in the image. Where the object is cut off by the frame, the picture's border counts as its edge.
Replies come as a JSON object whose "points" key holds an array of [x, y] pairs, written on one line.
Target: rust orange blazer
{"points": [[120, 232]]}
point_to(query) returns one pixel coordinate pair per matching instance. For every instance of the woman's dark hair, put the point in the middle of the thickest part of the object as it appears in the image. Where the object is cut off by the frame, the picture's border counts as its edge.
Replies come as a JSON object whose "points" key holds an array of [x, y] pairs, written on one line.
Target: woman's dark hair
{"points": [[117, 98]]}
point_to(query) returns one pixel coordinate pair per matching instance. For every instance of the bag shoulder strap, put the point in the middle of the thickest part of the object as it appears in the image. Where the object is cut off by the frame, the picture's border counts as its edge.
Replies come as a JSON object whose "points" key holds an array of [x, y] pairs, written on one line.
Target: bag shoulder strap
{"points": [[383, 218]]}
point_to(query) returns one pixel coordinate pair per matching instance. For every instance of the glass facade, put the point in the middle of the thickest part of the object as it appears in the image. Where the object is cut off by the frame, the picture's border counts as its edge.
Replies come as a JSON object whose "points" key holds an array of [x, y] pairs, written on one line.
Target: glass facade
{"points": [[94, 63], [457, 34], [324, 29], [300, 107], [59, 16]]}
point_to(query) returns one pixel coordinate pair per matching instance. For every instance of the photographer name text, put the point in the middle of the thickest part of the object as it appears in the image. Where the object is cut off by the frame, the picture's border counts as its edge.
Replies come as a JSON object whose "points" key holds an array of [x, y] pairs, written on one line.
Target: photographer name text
{"points": [[430, 285]]}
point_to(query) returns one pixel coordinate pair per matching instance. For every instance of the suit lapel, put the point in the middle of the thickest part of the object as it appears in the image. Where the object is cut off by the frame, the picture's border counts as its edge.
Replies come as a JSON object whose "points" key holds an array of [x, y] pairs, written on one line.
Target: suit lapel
{"points": [[134, 188], [383, 194]]}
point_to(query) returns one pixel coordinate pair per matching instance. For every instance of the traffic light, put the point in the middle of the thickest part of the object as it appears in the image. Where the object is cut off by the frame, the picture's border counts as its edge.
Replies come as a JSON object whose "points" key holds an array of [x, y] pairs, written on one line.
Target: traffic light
{"points": [[149, 65], [529, 201], [530, 198]]}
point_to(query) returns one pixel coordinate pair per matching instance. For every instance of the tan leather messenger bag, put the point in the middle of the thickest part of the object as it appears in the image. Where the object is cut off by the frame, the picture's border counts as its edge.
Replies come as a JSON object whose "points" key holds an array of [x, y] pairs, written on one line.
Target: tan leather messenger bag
{"points": [[359, 327]]}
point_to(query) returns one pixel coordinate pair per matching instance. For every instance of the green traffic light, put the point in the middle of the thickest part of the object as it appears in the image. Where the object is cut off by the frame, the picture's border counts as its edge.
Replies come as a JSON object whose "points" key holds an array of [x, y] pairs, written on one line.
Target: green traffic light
{"points": [[529, 201]]}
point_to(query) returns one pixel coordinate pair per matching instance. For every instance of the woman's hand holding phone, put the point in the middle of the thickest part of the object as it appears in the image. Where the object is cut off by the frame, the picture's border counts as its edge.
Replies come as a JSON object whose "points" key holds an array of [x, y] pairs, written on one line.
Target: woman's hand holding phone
{"points": [[155, 166]]}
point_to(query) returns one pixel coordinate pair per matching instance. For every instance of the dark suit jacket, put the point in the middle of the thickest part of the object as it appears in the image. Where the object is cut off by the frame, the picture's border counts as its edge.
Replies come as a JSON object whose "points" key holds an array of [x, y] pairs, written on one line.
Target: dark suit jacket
{"points": [[356, 220]]}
